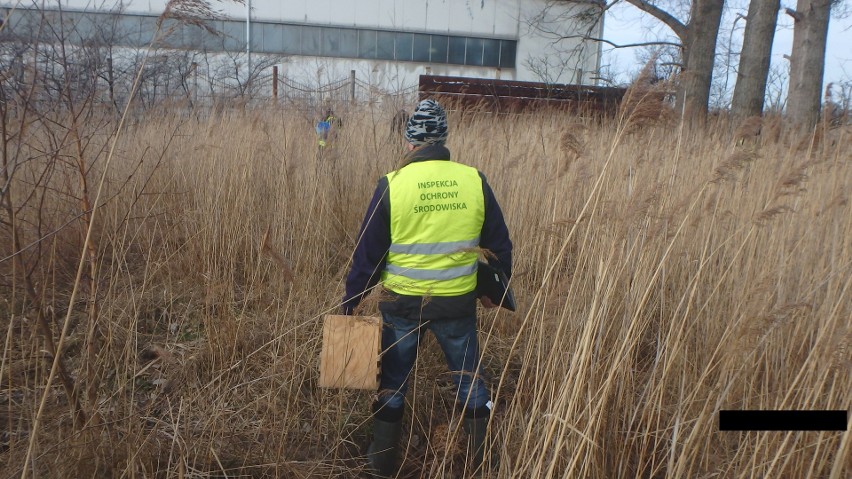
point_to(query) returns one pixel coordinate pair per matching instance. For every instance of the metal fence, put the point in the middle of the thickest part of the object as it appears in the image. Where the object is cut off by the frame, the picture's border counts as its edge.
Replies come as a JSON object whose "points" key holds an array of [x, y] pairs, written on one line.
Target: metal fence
{"points": [[269, 86]]}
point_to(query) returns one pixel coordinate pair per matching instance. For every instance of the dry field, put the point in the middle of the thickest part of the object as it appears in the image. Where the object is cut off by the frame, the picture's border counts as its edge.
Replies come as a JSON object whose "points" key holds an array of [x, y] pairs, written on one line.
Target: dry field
{"points": [[663, 274]]}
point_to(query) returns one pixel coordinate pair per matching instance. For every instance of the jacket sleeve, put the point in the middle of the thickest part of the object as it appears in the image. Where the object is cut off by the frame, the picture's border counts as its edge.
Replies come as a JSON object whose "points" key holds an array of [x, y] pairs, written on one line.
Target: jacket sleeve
{"points": [[368, 260], [495, 233]]}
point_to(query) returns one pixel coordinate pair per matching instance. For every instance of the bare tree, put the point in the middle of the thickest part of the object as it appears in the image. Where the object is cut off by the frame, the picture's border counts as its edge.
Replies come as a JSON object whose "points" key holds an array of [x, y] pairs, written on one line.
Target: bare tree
{"points": [[698, 40], [752, 74], [697, 44], [234, 76], [807, 60]]}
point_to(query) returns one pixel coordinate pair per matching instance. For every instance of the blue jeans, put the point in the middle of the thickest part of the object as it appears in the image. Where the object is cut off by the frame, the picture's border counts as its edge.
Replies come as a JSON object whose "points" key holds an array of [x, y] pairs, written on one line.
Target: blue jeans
{"points": [[457, 338]]}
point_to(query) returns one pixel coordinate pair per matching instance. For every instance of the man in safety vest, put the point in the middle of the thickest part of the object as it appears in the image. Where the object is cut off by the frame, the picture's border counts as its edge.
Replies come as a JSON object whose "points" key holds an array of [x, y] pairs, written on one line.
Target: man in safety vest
{"points": [[327, 128], [420, 238]]}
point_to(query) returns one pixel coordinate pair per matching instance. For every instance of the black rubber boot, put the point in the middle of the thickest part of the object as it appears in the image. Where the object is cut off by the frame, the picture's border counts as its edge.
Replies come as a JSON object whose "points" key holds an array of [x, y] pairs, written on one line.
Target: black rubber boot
{"points": [[476, 429], [384, 449]]}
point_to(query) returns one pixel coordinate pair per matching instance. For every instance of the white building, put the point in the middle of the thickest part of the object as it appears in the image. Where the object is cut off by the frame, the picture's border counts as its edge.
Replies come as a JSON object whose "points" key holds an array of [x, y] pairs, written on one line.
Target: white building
{"points": [[385, 42]]}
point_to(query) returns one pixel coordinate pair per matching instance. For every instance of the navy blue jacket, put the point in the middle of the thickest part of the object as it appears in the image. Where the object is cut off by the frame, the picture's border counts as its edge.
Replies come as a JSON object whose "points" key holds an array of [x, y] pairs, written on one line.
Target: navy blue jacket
{"points": [[374, 240]]}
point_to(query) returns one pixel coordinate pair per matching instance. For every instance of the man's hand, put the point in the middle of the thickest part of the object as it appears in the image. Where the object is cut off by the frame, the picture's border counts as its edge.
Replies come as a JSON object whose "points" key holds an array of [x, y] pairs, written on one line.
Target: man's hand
{"points": [[486, 302]]}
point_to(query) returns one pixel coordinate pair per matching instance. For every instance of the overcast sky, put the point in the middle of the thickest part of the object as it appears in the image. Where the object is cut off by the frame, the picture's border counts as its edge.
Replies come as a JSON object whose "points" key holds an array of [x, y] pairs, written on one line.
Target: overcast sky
{"points": [[624, 23]]}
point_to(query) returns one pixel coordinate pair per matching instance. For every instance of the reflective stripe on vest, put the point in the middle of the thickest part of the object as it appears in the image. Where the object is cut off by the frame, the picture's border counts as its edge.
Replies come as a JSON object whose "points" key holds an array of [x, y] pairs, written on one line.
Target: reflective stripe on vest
{"points": [[436, 215], [434, 248], [449, 273]]}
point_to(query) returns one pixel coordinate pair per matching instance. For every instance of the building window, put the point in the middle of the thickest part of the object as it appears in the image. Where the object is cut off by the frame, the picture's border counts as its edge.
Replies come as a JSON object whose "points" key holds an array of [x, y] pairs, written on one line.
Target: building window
{"points": [[171, 34], [85, 29], [129, 31], [491, 53], [234, 35], [274, 38], [311, 41], [385, 45], [404, 43], [474, 52], [148, 28], [507, 53], [340, 42], [291, 42], [456, 50], [256, 37], [367, 44], [193, 37], [438, 51], [422, 48]]}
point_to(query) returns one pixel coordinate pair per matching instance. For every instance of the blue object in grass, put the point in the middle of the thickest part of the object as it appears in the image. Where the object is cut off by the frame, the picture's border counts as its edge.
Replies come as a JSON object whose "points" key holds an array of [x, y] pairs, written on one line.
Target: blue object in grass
{"points": [[323, 128]]}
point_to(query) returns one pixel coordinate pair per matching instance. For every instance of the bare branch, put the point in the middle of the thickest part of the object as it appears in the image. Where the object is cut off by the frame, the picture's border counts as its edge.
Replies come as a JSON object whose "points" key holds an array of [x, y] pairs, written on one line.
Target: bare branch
{"points": [[626, 45], [676, 25], [793, 13]]}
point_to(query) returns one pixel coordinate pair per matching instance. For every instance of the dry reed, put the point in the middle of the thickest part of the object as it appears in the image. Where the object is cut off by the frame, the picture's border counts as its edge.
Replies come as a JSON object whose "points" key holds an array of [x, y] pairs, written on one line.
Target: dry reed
{"points": [[661, 277]]}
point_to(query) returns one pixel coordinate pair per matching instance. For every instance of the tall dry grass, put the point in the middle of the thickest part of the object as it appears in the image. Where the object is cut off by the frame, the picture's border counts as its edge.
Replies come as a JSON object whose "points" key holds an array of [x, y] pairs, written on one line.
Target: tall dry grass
{"points": [[662, 274]]}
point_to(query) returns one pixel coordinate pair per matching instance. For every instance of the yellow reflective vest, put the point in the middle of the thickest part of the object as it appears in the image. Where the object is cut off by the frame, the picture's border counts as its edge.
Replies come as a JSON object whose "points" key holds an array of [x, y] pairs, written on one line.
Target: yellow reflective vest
{"points": [[436, 213]]}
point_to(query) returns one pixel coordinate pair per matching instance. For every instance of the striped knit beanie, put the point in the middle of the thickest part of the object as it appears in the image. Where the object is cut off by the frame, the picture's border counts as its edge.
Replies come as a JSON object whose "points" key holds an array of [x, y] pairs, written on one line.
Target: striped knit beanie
{"points": [[428, 124]]}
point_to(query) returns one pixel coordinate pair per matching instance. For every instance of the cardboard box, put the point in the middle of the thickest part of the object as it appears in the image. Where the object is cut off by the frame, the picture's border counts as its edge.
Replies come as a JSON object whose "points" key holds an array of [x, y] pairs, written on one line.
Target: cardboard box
{"points": [[351, 347]]}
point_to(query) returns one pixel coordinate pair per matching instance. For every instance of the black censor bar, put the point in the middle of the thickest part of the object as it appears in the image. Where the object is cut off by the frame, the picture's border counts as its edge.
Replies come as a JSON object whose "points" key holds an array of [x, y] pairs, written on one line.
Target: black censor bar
{"points": [[762, 420]]}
